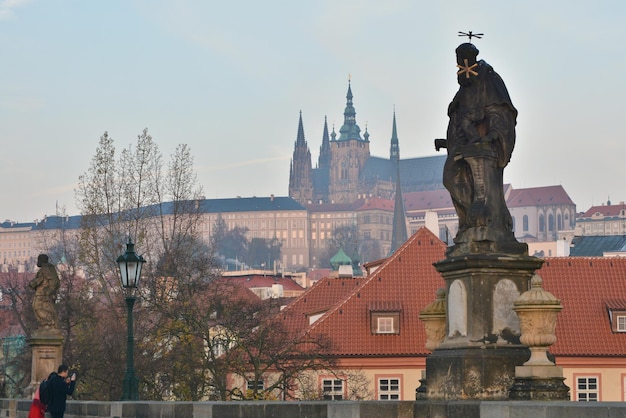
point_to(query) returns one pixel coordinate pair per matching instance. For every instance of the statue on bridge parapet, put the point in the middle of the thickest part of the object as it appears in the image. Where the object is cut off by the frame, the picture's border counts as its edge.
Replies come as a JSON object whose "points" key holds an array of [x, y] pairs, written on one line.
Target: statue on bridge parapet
{"points": [[480, 141], [46, 285]]}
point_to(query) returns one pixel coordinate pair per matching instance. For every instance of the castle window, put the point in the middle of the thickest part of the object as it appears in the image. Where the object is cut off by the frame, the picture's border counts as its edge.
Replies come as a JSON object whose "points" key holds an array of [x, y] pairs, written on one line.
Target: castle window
{"points": [[525, 223], [542, 223]]}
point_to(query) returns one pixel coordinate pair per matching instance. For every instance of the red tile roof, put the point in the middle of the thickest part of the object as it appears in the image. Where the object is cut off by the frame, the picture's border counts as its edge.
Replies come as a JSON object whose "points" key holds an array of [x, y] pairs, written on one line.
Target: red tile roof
{"points": [[321, 297], [429, 199], [377, 203], [407, 279], [538, 196], [585, 285], [605, 210]]}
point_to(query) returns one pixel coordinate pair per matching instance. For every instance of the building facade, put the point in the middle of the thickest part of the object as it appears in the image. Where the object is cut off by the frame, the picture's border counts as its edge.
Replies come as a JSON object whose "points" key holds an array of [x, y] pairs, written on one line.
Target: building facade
{"points": [[606, 219]]}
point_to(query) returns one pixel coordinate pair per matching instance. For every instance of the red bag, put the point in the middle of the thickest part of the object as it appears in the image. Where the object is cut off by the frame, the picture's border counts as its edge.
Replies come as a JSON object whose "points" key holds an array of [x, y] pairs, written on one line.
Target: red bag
{"points": [[37, 408]]}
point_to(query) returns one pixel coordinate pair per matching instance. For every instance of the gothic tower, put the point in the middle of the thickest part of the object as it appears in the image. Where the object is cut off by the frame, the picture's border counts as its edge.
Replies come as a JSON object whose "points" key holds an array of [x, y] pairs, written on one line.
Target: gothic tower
{"points": [[399, 232], [300, 171], [349, 153]]}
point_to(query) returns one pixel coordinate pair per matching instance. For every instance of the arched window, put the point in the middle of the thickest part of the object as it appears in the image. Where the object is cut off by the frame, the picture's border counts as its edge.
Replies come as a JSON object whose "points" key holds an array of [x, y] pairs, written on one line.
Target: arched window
{"points": [[525, 221], [513, 220], [542, 223], [559, 222], [550, 222]]}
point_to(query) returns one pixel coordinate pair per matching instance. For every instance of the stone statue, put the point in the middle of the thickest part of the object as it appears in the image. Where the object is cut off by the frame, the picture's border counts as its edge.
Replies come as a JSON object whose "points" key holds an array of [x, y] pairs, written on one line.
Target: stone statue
{"points": [[46, 285], [480, 140]]}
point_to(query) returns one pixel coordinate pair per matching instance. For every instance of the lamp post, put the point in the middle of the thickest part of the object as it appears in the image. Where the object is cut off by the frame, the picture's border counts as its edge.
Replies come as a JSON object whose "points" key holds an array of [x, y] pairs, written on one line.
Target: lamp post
{"points": [[130, 270]]}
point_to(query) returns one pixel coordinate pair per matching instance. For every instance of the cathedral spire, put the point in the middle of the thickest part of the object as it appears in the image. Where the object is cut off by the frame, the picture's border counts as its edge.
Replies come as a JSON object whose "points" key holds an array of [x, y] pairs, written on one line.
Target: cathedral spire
{"points": [[399, 233], [349, 130], [300, 170], [395, 145], [300, 141], [325, 152]]}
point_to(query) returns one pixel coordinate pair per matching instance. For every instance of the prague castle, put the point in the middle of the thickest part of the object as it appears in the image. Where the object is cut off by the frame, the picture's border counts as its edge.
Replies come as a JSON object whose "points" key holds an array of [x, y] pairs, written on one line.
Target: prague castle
{"points": [[346, 172]]}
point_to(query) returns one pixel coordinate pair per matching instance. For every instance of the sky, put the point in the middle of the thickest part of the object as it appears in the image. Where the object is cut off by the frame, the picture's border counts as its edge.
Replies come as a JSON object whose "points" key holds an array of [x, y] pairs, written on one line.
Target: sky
{"points": [[229, 78]]}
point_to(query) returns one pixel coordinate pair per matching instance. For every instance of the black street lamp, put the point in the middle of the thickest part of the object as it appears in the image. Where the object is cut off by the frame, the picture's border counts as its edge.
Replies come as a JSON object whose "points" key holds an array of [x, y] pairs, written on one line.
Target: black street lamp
{"points": [[130, 270]]}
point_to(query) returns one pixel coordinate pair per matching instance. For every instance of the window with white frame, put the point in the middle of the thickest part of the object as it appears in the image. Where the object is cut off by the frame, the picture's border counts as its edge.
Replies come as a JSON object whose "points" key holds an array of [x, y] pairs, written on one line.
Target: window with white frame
{"points": [[388, 389], [587, 389], [332, 389], [385, 322], [621, 323], [385, 325]]}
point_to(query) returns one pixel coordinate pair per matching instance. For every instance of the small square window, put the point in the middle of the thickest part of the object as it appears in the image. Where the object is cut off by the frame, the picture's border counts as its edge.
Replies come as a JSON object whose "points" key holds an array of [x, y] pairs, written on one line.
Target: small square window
{"points": [[621, 323], [255, 385], [385, 322], [385, 325]]}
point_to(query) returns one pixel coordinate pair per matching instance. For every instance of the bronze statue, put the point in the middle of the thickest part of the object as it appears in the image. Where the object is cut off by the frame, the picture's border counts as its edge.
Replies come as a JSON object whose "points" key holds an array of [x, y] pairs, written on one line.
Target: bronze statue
{"points": [[46, 285], [480, 140]]}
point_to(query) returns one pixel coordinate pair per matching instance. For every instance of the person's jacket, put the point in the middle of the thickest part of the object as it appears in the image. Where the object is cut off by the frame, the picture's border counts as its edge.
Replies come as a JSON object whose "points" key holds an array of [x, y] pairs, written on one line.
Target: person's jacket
{"points": [[59, 389]]}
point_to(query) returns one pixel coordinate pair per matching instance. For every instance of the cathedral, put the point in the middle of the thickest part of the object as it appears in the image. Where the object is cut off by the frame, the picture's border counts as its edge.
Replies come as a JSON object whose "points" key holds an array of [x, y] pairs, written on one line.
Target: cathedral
{"points": [[346, 172]]}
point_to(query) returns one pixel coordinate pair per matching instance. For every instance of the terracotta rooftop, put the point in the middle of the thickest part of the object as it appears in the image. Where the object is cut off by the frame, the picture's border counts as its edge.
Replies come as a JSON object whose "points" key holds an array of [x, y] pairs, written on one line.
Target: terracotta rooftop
{"points": [[377, 203], [538, 196], [587, 287], [605, 210], [407, 279], [321, 297]]}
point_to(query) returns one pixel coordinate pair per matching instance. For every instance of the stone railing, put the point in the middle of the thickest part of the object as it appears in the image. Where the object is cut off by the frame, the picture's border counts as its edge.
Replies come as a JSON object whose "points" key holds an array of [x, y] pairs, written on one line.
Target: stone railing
{"points": [[18, 408]]}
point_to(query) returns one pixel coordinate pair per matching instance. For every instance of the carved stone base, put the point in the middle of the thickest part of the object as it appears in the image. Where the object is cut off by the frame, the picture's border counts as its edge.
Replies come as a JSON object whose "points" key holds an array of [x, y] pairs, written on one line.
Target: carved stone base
{"points": [[480, 373], [47, 355], [539, 383], [462, 248]]}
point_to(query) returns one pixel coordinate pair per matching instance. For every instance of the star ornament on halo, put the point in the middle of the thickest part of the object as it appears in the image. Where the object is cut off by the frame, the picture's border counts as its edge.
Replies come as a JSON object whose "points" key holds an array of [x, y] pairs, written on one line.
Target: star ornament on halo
{"points": [[467, 69]]}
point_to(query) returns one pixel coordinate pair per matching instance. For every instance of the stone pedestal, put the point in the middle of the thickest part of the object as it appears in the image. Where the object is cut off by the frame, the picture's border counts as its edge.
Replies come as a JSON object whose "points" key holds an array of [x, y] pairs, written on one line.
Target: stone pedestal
{"points": [[539, 383], [47, 355], [478, 356]]}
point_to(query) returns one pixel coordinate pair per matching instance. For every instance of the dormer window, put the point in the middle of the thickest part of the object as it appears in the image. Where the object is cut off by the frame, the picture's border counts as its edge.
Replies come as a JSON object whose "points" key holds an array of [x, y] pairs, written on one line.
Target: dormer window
{"points": [[385, 317], [617, 314]]}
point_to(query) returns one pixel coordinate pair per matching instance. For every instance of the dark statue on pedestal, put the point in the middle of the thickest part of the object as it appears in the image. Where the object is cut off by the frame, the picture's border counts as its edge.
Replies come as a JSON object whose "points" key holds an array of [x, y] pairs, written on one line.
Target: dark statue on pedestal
{"points": [[487, 269], [480, 141]]}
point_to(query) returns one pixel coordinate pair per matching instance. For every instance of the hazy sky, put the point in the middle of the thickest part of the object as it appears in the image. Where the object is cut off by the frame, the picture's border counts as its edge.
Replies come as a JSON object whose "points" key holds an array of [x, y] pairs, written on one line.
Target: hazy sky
{"points": [[229, 78]]}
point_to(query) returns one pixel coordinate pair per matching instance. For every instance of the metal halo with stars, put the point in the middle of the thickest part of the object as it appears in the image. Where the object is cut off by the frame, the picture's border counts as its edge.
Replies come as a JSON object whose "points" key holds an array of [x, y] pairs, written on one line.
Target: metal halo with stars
{"points": [[468, 69]]}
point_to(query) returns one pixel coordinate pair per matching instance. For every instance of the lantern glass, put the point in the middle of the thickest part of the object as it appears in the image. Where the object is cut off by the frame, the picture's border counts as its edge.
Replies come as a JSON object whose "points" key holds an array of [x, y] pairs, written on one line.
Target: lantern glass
{"points": [[130, 266]]}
